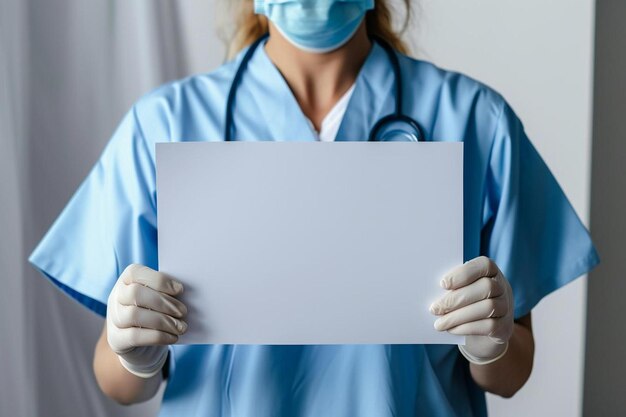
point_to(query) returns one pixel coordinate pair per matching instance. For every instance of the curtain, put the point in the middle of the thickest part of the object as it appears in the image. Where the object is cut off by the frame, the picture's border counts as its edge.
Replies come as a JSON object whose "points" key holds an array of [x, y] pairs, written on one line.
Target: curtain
{"points": [[69, 69]]}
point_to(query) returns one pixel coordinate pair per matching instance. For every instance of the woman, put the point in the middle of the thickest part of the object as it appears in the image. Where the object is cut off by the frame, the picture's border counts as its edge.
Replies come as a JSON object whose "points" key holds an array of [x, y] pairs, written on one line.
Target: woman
{"points": [[321, 75]]}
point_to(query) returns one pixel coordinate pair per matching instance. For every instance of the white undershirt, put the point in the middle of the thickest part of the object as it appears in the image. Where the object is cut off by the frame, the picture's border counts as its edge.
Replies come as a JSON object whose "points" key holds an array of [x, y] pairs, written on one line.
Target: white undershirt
{"points": [[332, 121]]}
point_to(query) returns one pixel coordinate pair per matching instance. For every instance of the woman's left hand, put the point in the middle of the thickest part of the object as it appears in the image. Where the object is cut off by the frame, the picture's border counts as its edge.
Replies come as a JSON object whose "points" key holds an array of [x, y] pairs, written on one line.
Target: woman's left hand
{"points": [[479, 305]]}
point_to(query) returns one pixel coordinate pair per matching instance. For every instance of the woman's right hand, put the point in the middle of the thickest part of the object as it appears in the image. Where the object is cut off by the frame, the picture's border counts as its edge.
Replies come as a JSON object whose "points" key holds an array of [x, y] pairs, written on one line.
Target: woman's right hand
{"points": [[143, 317]]}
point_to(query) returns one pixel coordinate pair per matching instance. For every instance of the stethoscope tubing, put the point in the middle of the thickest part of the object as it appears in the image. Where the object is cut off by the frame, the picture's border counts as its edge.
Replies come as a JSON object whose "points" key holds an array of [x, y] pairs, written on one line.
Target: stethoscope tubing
{"points": [[230, 101], [396, 117]]}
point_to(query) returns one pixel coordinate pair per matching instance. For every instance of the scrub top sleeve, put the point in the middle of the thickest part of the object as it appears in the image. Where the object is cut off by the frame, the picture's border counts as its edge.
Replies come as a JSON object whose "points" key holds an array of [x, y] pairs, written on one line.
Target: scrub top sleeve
{"points": [[530, 229], [108, 224]]}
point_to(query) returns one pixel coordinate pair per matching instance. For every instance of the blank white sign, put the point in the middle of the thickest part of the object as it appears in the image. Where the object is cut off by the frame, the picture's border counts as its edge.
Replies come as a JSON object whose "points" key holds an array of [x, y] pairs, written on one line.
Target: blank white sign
{"points": [[308, 242]]}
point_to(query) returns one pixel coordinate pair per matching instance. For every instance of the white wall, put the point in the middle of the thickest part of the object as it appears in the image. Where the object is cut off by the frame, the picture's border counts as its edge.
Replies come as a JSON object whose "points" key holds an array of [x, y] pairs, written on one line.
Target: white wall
{"points": [[539, 55]]}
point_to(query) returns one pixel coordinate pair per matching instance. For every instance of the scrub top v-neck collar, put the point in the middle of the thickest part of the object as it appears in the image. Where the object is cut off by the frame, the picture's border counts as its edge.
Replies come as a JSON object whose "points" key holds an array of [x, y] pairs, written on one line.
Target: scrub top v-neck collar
{"points": [[332, 120], [372, 98]]}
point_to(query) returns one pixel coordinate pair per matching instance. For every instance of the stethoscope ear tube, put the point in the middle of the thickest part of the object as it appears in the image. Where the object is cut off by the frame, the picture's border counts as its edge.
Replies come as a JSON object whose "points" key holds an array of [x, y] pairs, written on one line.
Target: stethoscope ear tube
{"points": [[230, 101], [396, 123]]}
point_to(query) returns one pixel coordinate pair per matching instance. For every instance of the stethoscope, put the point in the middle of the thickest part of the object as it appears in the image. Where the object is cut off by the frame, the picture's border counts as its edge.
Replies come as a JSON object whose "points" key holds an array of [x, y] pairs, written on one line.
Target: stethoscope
{"points": [[395, 127]]}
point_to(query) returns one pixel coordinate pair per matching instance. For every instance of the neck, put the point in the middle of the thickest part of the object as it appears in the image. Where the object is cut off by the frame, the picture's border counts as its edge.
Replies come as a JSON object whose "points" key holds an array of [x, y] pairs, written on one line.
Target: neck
{"points": [[318, 81]]}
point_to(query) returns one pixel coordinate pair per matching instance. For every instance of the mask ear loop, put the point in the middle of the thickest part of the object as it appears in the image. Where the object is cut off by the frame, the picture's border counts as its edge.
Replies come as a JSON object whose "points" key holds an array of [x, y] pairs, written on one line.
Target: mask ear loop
{"points": [[228, 122]]}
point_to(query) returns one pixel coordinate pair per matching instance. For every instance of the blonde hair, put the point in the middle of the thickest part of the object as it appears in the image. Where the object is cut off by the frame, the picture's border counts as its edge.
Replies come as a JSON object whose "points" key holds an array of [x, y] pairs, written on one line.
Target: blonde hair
{"points": [[246, 27]]}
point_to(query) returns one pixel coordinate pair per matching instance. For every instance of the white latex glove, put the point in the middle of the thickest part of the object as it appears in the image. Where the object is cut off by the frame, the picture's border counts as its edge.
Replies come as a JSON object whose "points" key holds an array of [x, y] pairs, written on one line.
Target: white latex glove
{"points": [[478, 305], [143, 316]]}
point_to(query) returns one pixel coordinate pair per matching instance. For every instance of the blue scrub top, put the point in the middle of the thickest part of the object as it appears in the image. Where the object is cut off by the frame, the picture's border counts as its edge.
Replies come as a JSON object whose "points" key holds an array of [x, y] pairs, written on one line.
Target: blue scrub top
{"points": [[515, 213]]}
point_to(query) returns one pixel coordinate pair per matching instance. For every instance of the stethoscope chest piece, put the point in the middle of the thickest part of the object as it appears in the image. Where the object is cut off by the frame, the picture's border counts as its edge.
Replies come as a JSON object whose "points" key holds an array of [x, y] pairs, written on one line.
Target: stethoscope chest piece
{"points": [[396, 128]]}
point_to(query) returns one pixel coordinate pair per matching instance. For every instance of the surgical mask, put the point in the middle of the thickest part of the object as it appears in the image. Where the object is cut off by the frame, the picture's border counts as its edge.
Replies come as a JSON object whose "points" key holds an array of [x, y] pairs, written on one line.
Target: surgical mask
{"points": [[315, 25]]}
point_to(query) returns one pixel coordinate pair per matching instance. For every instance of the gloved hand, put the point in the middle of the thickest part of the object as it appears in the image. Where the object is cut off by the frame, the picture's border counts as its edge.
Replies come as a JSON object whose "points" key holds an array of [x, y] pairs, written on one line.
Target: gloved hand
{"points": [[143, 316], [480, 306]]}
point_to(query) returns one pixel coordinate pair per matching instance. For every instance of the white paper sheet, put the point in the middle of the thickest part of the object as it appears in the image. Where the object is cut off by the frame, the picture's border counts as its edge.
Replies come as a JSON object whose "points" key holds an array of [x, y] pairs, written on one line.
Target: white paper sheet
{"points": [[308, 242]]}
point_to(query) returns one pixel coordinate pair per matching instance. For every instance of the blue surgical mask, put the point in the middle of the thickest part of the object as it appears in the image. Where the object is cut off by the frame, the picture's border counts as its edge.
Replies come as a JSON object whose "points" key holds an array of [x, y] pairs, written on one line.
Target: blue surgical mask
{"points": [[315, 25]]}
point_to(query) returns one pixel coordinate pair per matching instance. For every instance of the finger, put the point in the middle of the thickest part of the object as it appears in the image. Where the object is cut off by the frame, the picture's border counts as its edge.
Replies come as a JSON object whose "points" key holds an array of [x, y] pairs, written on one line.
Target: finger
{"points": [[148, 277], [490, 308], [469, 272], [138, 295], [479, 290], [486, 327], [137, 337], [132, 316]]}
